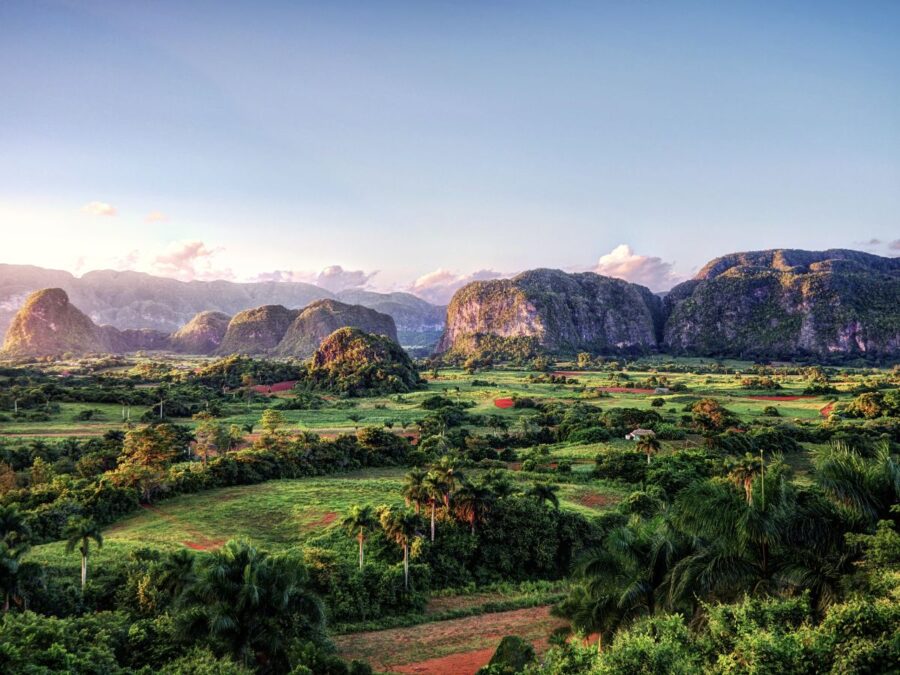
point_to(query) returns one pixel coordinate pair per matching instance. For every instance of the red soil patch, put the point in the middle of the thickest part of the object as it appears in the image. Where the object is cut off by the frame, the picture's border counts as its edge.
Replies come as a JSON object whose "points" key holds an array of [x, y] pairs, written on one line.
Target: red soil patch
{"points": [[207, 545], [778, 398], [826, 411], [504, 402], [287, 385], [326, 520], [457, 664], [594, 500]]}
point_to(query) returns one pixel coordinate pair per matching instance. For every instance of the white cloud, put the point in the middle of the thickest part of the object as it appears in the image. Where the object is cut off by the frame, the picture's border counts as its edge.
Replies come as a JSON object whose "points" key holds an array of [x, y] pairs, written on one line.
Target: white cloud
{"points": [[440, 285], [894, 245], [99, 209], [187, 261], [623, 263], [156, 217], [333, 278]]}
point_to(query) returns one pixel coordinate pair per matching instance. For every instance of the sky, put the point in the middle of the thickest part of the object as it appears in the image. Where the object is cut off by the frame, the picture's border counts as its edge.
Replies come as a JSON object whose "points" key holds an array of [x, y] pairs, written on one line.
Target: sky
{"points": [[419, 145]]}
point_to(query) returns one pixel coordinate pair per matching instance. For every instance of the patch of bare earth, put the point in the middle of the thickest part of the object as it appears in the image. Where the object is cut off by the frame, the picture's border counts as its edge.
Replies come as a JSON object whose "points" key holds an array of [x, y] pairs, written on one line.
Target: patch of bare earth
{"points": [[458, 646]]}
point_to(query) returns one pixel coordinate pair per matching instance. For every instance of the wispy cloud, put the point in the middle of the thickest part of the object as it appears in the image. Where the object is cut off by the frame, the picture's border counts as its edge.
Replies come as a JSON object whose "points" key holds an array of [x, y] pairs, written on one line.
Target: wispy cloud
{"points": [[333, 278], [156, 217], [189, 260], [650, 271], [99, 209], [440, 285], [894, 245]]}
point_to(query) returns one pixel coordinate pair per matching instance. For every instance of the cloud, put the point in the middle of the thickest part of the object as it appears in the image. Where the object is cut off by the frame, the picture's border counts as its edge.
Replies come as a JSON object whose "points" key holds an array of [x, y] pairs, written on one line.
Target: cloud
{"points": [[623, 263], [156, 217], [187, 261], [894, 245], [333, 278], [99, 209], [440, 285]]}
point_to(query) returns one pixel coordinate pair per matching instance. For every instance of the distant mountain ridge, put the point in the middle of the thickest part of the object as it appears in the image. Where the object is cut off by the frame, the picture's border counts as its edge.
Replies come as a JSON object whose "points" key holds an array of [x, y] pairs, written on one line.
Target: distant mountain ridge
{"points": [[49, 325], [132, 300]]}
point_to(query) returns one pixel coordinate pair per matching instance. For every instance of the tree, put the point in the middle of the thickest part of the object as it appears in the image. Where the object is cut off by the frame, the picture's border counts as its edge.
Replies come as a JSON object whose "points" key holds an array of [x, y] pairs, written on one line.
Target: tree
{"points": [[864, 486], [434, 487], [742, 472], [401, 527], [271, 422], [648, 444], [359, 522], [472, 503], [253, 605], [78, 533], [14, 530], [414, 492], [146, 455], [543, 493], [584, 360], [447, 468], [212, 436]]}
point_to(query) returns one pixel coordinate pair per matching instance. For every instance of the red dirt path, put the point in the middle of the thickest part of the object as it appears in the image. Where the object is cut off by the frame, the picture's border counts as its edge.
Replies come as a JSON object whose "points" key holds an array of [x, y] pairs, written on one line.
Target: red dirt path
{"points": [[627, 390], [826, 411], [504, 402], [200, 541]]}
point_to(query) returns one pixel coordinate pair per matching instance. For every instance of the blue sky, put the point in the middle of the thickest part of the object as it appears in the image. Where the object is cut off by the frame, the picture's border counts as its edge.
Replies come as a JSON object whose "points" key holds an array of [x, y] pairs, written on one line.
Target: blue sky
{"points": [[244, 139]]}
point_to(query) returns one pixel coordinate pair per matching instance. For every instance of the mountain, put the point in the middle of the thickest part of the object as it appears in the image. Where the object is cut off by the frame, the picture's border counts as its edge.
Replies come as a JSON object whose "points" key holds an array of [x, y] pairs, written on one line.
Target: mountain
{"points": [[419, 323], [137, 300], [557, 310], [257, 330], [202, 334], [356, 363], [48, 324], [783, 303], [322, 317]]}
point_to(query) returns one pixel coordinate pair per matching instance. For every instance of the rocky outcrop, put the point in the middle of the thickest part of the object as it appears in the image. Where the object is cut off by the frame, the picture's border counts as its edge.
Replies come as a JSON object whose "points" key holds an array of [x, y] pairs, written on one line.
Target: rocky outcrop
{"points": [[203, 334], [559, 311], [356, 363], [49, 325], [257, 331], [787, 303], [321, 318]]}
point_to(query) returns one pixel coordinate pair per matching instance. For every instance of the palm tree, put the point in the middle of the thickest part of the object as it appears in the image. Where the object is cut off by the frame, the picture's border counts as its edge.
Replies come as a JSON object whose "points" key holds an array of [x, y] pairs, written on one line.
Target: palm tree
{"points": [[472, 503], [402, 528], [497, 480], [359, 522], [14, 530], [177, 572], [864, 486], [414, 489], [648, 444], [434, 487], [543, 493], [253, 605], [742, 472], [79, 532], [447, 468]]}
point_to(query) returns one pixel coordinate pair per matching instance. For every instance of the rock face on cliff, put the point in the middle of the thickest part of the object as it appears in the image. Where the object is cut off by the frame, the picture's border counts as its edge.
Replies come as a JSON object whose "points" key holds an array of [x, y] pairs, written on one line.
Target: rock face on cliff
{"points": [[321, 318], [257, 331], [49, 325], [560, 312], [356, 363], [784, 303], [201, 335]]}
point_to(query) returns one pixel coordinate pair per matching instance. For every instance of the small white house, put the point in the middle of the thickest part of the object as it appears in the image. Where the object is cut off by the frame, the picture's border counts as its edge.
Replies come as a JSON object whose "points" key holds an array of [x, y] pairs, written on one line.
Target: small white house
{"points": [[637, 434]]}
